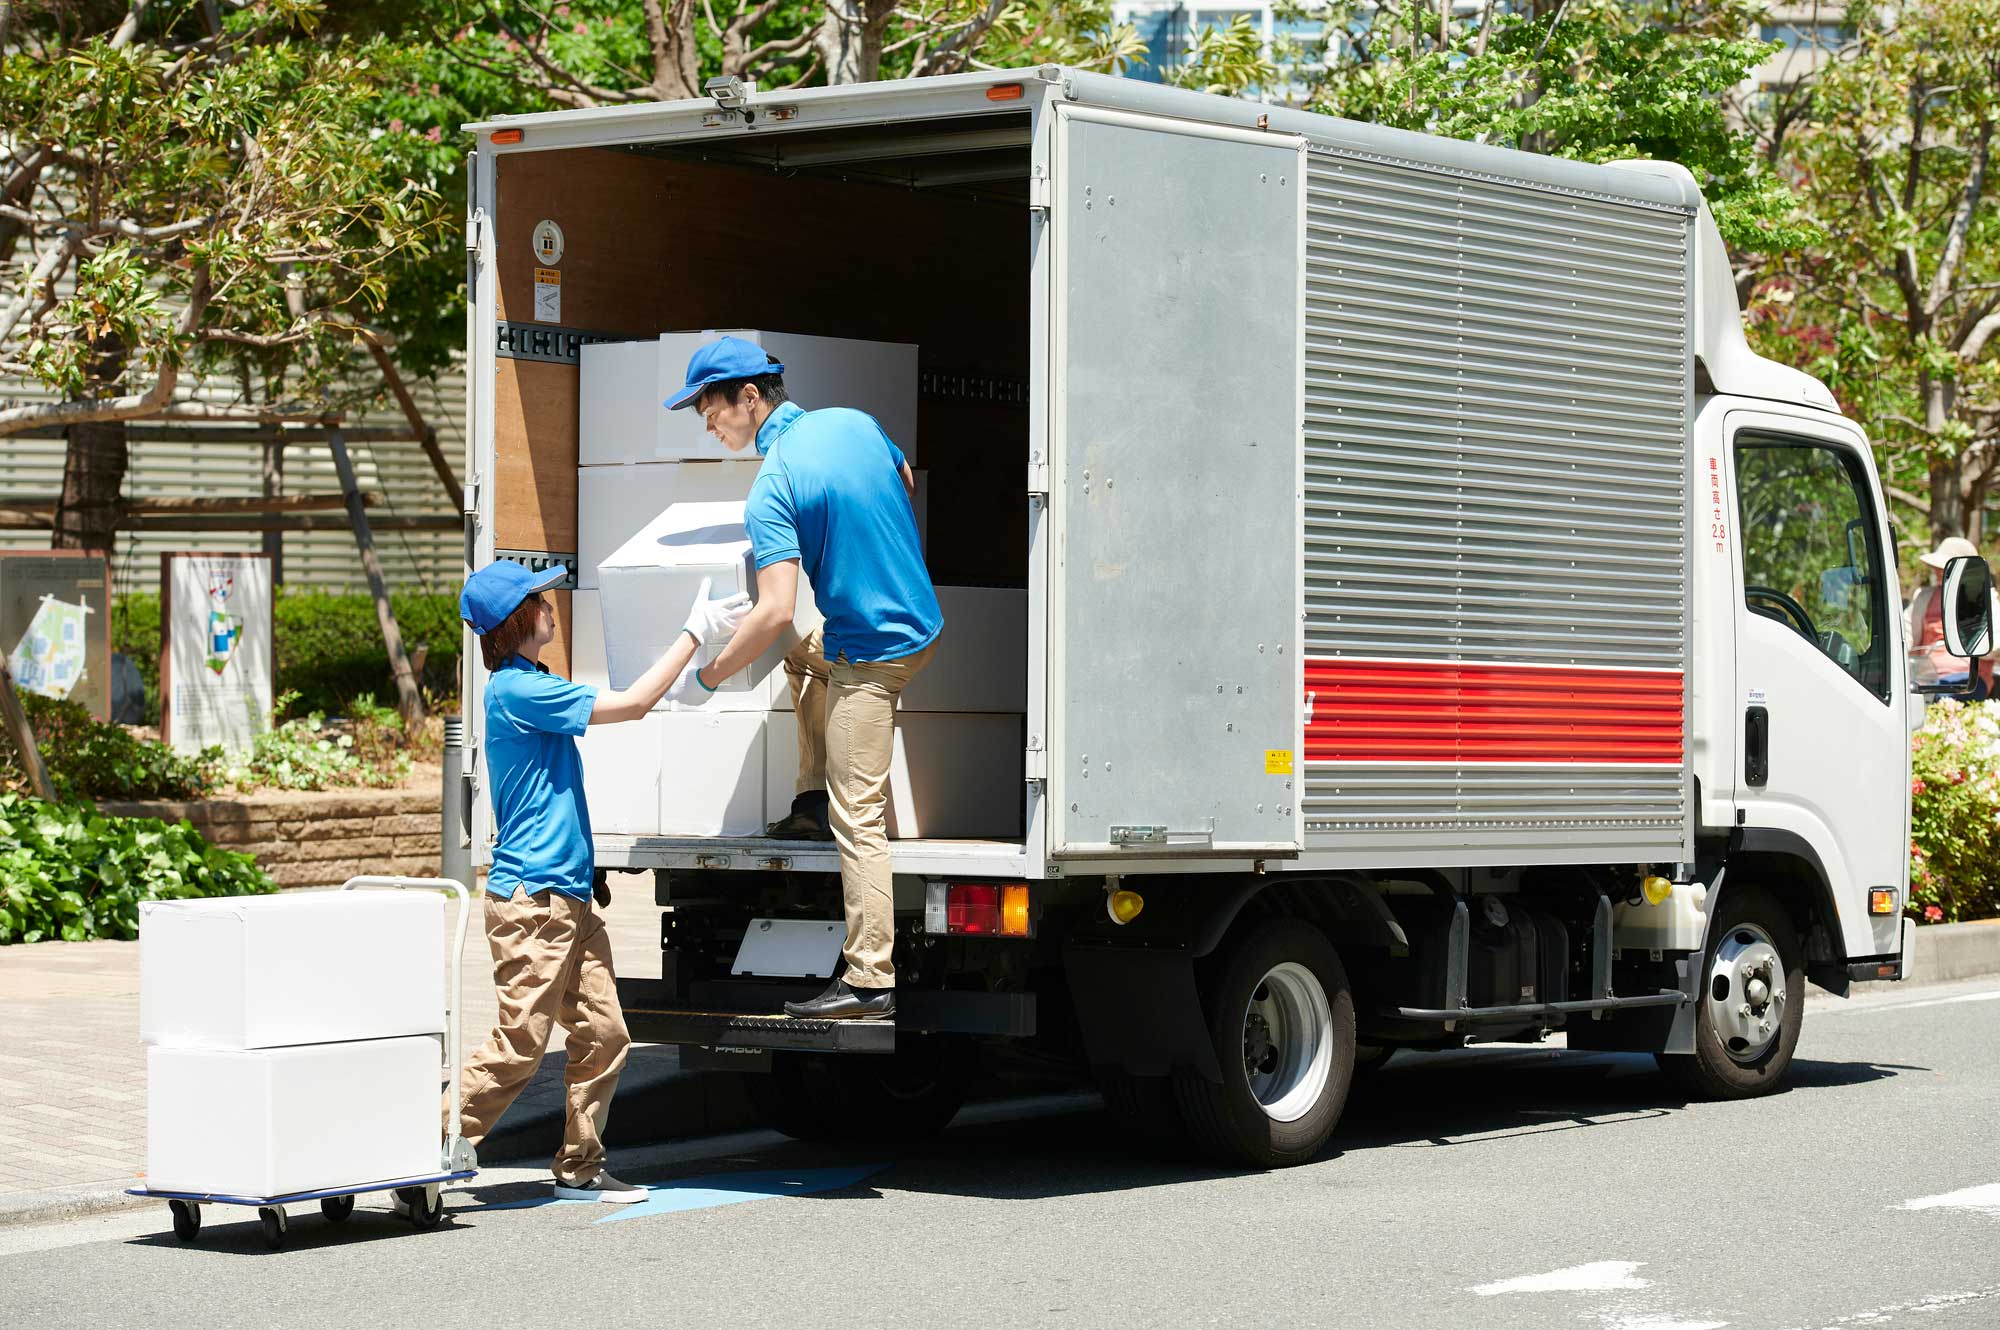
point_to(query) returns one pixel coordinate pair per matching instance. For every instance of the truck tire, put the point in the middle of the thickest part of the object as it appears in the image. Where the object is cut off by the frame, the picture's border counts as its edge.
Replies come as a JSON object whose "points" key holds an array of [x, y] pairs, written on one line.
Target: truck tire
{"points": [[1752, 1002], [906, 1095], [1281, 1018]]}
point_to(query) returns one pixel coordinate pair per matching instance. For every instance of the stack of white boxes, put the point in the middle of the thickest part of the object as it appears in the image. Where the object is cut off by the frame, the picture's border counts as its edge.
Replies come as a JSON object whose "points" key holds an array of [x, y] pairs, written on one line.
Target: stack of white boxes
{"points": [[294, 1041], [660, 507]]}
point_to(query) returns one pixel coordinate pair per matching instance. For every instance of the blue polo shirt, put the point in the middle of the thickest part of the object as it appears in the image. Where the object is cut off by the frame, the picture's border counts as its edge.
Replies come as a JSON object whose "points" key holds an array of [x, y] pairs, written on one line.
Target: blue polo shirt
{"points": [[830, 494], [536, 777]]}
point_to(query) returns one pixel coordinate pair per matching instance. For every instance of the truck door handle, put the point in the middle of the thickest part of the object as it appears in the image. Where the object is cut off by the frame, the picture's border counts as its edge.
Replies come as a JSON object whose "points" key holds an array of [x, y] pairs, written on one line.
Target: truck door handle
{"points": [[1756, 746]]}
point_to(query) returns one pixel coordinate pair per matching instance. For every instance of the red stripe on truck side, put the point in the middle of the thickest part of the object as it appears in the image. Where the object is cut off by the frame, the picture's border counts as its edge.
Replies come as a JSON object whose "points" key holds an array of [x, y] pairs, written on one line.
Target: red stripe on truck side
{"points": [[1446, 711]]}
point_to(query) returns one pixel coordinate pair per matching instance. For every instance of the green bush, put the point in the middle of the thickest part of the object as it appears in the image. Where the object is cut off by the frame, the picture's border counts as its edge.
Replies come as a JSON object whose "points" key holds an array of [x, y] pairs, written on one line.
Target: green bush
{"points": [[68, 872], [1955, 813], [329, 647], [304, 754], [87, 759]]}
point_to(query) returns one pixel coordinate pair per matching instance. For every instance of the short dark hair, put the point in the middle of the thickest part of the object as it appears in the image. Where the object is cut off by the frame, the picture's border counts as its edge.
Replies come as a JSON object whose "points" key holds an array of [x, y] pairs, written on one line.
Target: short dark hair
{"points": [[770, 387], [506, 638]]}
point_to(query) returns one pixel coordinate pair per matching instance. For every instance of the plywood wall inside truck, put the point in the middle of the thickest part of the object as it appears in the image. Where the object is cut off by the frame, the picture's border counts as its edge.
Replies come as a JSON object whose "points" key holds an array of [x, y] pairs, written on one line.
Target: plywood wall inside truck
{"points": [[653, 244]]}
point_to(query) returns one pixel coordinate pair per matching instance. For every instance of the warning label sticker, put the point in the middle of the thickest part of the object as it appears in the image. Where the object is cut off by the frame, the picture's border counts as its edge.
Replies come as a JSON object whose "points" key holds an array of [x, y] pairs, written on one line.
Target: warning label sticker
{"points": [[1277, 761], [548, 295]]}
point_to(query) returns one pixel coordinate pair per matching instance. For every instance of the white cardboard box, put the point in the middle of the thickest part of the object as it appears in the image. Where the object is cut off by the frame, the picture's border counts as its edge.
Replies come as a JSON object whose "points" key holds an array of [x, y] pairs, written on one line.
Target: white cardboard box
{"points": [[624, 386], [621, 775], [269, 1122], [613, 503], [952, 776], [981, 661], [712, 773], [305, 967]]}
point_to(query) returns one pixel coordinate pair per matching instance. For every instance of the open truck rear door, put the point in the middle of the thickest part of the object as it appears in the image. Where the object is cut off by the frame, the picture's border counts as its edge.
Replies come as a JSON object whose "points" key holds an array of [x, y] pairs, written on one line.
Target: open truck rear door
{"points": [[1175, 676]]}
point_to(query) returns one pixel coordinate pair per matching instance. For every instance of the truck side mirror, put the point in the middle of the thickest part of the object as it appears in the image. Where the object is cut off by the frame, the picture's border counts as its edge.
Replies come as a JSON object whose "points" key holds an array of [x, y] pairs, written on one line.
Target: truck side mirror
{"points": [[1968, 607]]}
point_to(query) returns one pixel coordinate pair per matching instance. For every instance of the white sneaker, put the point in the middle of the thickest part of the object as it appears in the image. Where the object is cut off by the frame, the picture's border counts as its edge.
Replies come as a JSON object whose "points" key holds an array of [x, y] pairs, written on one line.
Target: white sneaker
{"points": [[603, 1188]]}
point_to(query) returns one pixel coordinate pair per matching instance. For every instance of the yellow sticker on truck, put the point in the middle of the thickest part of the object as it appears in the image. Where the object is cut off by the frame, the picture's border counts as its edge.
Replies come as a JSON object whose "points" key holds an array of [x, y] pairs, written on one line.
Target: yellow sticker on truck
{"points": [[1277, 761]]}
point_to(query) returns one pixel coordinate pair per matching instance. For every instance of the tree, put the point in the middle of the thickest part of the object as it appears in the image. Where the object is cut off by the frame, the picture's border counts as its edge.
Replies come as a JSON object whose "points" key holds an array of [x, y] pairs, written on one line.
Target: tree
{"points": [[1594, 80], [189, 190], [1899, 308]]}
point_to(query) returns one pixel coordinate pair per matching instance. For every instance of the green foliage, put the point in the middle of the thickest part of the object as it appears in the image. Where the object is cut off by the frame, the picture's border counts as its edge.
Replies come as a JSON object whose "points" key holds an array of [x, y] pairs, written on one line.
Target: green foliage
{"points": [[87, 759], [305, 754], [329, 645], [189, 181], [70, 873], [1227, 60], [1612, 79], [1955, 813]]}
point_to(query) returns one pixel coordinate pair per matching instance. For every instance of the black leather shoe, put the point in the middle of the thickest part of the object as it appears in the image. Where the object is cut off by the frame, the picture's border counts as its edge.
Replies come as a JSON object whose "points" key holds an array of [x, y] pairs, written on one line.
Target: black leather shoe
{"points": [[843, 1003], [799, 826], [806, 821]]}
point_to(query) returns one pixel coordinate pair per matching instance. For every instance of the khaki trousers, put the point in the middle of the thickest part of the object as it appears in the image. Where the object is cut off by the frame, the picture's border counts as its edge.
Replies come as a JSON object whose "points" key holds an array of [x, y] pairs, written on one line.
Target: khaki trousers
{"points": [[551, 964], [847, 737]]}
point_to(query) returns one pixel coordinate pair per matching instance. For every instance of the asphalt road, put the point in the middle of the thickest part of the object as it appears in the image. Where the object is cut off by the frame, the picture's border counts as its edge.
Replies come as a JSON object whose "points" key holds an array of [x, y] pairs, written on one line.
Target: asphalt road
{"points": [[1490, 1189]]}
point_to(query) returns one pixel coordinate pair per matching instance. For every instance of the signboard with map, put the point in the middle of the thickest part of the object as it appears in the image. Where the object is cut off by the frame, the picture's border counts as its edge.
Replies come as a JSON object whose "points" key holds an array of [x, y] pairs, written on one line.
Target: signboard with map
{"points": [[216, 663], [55, 625]]}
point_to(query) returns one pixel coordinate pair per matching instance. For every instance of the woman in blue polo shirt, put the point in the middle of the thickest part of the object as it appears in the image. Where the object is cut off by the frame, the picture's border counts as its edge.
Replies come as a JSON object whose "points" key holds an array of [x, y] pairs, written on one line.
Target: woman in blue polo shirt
{"points": [[551, 955]]}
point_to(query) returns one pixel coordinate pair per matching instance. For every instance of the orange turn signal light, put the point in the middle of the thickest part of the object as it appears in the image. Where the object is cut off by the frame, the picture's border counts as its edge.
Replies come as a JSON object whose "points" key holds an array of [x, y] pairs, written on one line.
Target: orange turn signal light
{"points": [[504, 136], [1014, 921], [1881, 900], [1004, 92]]}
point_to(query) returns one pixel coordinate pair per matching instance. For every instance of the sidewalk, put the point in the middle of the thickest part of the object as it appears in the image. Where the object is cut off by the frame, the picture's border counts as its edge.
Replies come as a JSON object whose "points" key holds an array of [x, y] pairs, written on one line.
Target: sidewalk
{"points": [[73, 1073]]}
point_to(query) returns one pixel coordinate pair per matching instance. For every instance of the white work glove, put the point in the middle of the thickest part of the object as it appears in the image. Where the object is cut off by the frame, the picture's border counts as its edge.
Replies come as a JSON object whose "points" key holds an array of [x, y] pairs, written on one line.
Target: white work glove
{"points": [[716, 620], [688, 690]]}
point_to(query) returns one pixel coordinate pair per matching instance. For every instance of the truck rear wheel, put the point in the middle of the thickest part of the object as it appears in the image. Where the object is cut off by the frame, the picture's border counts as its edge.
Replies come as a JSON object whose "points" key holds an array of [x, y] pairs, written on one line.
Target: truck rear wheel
{"points": [[906, 1095], [1752, 1002], [1281, 1018]]}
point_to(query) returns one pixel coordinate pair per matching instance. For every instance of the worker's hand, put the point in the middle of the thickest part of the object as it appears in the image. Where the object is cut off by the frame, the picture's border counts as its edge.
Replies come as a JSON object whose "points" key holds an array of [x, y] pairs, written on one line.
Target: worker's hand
{"points": [[688, 690], [716, 620]]}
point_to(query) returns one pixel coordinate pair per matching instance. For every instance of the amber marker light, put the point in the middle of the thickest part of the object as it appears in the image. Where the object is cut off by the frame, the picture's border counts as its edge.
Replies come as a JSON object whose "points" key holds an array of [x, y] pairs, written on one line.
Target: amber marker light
{"points": [[501, 137], [1124, 906], [1881, 900], [1004, 92], [1014, 920]]}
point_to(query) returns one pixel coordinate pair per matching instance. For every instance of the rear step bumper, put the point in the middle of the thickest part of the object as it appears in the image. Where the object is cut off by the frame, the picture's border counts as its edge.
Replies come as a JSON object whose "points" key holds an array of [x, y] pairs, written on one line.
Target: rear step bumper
{"points": [[748, 1015]]}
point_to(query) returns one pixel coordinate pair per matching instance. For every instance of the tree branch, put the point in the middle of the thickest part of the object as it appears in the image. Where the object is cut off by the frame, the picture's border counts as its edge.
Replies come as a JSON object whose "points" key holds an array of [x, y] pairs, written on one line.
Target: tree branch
{"points": [[127, 407], [1961, 222]]}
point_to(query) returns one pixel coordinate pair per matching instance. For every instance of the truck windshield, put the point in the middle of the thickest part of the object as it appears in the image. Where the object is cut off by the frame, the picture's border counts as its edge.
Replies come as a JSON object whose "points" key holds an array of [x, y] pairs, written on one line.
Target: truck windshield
{"points": [[1812, 551]]}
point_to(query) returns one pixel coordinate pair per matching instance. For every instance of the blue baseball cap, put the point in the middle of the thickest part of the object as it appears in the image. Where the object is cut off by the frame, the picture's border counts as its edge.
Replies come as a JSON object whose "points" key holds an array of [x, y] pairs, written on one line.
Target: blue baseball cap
{"points": [[719, 362], [497, 590]]}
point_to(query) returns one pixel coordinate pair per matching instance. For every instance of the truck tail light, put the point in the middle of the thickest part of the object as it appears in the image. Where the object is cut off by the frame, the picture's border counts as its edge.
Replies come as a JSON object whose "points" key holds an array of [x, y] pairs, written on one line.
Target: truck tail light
{"points": [[979, 909]]}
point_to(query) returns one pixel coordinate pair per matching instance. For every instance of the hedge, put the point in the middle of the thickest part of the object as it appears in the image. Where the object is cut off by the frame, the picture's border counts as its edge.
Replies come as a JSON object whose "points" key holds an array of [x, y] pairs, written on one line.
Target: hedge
{"points": [[1955, 813], [329, 647], [68, 872]]}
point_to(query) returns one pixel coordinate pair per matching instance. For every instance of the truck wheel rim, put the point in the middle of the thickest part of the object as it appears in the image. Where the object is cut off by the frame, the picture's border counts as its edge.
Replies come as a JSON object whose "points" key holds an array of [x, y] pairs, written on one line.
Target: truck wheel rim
{"points": [[1746, 993], [1288, 1041]]}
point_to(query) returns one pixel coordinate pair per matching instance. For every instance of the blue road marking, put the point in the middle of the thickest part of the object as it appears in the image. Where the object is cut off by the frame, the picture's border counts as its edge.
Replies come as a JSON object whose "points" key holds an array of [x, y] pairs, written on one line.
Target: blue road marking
{"points": [[708, 1191]]}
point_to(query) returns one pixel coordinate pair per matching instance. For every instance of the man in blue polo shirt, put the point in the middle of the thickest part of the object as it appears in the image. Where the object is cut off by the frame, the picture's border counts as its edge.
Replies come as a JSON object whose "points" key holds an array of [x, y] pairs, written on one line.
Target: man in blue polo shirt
{"points": [[833, 497], [551, 955]]}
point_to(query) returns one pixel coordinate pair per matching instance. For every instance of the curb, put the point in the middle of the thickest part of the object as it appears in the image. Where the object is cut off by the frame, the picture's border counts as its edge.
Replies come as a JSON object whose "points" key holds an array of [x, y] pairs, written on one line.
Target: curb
{"points": [[55, 1204], [1956, 951]]}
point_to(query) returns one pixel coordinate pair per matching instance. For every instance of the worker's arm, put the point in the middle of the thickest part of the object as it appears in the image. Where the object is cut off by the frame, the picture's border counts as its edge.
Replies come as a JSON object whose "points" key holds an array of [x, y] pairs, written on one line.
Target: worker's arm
{"points": [[709, 618], [909, 482], [777, 601]]}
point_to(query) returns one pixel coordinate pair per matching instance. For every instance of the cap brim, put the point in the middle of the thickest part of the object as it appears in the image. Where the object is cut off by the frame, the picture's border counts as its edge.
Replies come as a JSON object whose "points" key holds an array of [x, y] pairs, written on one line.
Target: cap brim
{"points": [[686, 396], [550, 577], [1935, 560]]}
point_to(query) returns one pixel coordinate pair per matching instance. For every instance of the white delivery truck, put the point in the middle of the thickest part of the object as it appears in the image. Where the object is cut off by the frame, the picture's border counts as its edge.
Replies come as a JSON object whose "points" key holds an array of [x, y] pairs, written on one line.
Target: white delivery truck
{"points": [[1387, 603]]}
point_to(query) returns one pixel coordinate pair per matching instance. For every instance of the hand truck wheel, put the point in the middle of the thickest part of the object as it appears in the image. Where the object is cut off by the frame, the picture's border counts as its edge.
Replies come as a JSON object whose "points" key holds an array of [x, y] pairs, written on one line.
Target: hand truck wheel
{"points": [[427, 1206], [337, 1209], [187, 1219], [273, 1218]]}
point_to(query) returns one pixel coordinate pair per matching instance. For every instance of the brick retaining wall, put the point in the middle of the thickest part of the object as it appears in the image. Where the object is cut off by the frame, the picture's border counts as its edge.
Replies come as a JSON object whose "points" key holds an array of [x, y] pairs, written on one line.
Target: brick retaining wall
{"points": [[315, 840]]}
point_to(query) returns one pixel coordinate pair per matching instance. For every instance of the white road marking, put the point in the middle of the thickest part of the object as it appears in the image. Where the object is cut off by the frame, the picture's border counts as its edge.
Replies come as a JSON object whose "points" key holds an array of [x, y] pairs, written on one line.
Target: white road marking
{"points": [[1857, 1008], [1984, 1198], [1937, 1302], [1647, 1321], [1597, 1277]]}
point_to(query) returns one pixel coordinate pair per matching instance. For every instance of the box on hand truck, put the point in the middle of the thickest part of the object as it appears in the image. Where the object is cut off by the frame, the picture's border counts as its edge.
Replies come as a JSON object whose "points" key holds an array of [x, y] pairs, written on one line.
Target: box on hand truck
{"points": [[293, 1051]]}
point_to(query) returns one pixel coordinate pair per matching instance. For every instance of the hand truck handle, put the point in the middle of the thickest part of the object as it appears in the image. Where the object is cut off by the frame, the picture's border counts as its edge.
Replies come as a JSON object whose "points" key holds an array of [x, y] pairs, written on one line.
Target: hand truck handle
{"points": [[451, 1038]]}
